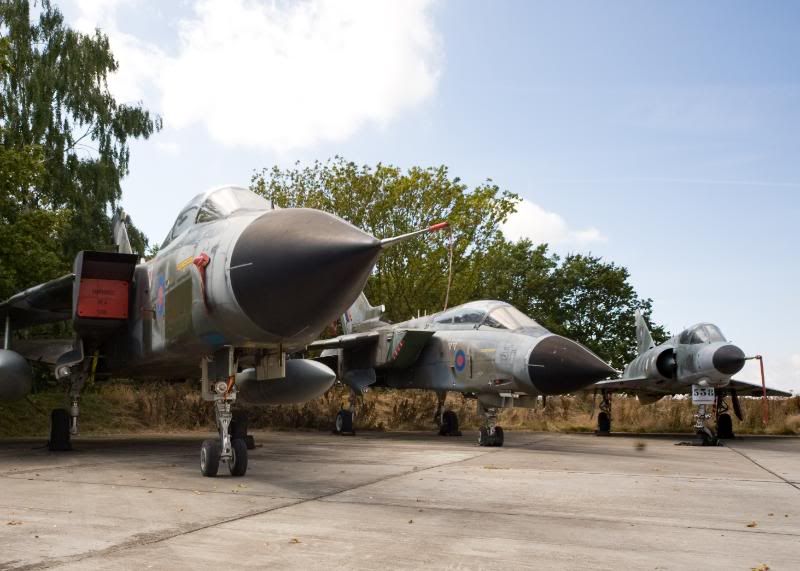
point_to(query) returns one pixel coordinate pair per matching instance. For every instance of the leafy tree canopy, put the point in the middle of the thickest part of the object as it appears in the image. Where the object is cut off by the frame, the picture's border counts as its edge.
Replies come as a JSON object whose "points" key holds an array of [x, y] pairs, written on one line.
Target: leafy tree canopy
{"points": [[63, 144], [581, 296]]}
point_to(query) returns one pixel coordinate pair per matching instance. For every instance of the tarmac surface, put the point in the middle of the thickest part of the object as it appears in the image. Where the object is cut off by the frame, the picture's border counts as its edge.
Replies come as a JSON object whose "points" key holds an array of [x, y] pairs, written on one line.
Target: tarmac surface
{"points": [[403, 500]]}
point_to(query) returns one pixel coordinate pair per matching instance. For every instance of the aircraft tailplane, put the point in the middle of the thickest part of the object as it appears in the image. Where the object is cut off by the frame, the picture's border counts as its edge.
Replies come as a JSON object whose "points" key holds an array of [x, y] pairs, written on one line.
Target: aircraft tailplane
{"points": [[643, 337], [120, 233], [360, 313]]}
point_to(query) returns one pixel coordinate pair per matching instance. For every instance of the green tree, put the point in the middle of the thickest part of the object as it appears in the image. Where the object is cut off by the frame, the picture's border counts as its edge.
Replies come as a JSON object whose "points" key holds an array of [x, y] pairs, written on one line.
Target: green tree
{"points": [[387, 201], [63, 140], [594, 302]]}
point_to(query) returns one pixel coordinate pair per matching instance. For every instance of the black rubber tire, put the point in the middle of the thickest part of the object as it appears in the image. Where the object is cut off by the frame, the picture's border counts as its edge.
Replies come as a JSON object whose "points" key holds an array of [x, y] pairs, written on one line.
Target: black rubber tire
{"points": [[603, 423], [238, 426], [209, 458], [344, 422], [483, 437], [498, 438], [725, 426], [449, 426], [238, 464], [250, 441], [59, 431]]}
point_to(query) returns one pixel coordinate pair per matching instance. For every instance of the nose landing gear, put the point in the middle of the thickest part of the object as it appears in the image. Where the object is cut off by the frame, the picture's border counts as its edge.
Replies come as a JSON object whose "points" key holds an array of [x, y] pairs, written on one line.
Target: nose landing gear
{"points": [[490, 434], [231, 448]]}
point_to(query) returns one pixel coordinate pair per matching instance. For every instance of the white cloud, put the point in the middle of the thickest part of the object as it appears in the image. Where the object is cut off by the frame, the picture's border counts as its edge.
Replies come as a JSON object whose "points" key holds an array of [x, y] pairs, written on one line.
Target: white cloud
{"points": [[533, 222], [280, 75], [139, 63], [168, 147]]}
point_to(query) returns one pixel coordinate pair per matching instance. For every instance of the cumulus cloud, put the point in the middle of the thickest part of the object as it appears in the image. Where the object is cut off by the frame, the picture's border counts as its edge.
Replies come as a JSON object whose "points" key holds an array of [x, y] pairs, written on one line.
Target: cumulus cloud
{"points": [[533, 222], [281, 75], [139, 63]]}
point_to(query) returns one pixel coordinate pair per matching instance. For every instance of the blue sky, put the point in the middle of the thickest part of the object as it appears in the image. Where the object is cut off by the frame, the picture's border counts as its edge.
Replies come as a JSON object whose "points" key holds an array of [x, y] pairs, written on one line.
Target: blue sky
{"points": [[660, 135]]}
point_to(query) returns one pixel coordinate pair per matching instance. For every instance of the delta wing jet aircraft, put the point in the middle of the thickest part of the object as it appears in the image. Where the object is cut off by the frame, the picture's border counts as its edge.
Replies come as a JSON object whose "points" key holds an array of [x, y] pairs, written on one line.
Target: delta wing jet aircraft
{"points": [[485, 349], [698, 361], [236, 285]]}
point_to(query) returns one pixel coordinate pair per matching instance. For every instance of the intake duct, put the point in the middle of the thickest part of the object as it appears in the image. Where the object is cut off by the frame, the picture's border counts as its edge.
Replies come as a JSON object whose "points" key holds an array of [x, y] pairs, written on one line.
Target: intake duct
{"points": [[667, 364]]}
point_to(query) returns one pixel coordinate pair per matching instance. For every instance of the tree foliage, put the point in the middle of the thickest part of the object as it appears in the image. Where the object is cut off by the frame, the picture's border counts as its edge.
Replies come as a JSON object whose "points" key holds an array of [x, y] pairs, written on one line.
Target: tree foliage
{"points": [[581, 296], [63, 143]]}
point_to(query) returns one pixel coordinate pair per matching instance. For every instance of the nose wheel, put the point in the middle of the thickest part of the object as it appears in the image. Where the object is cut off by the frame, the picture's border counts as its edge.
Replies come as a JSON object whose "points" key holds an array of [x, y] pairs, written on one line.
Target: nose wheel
{"points": [[231, 447], [490, 434]]}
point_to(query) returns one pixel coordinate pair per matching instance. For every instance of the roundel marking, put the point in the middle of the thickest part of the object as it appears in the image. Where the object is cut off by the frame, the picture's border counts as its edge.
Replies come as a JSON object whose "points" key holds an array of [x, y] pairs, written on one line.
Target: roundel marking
{"points": [[460, 360]]}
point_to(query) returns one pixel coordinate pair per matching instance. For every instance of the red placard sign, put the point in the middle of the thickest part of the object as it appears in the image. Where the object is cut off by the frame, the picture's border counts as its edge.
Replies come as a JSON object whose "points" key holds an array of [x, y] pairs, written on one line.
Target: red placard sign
{"points": [[103, 299]]}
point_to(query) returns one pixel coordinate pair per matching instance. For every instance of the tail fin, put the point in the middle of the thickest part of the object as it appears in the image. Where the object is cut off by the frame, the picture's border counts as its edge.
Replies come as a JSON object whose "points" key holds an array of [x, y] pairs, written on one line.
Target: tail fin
{"points": [[361, 313], [120, 233], [643, 337]]}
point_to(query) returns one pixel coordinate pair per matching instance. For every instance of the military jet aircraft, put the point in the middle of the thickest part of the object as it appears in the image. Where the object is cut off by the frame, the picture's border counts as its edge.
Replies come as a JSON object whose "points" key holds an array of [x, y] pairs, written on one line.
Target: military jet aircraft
{"points": [[488, 350], [236, 285], [698, 361]]}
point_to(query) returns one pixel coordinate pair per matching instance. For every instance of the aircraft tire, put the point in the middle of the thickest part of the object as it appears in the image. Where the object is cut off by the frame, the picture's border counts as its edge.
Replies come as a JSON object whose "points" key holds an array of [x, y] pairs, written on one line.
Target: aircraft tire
{"points": [[209, 458], [344, 423], [724, 426], [498, 437], [603, 423], [250, 441], [238, 426], [449, 425], [483, 437], [59, 431], [238, 463]]}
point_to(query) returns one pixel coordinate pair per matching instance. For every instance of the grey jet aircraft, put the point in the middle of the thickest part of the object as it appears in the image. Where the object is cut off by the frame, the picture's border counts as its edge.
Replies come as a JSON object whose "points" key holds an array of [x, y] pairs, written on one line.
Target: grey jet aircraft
{"points": [[699, 362], [488, 350], [236, 285]]}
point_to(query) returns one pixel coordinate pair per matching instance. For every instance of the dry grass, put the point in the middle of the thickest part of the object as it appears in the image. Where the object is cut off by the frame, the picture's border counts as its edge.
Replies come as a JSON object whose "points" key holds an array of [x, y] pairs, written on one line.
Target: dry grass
{"points": [[124, 408]]}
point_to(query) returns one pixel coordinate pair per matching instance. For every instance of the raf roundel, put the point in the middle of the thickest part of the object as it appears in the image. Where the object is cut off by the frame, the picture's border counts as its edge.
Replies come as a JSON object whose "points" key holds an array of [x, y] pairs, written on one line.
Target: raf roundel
{"points": [[460, 360]]}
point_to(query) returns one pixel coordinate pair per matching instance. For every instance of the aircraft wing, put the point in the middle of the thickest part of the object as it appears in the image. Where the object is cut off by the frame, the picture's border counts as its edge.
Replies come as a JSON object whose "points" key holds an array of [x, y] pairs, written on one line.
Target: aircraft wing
{"points": [[346, 341], [394, 348], [649, 386], [754, 389], [45, 303], [629, 385]]}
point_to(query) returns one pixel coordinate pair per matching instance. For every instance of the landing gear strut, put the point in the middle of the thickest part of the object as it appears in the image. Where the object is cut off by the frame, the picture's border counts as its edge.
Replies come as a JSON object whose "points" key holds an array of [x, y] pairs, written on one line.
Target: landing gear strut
{"points": [[604, 416], [704, 434], [343, 424], [447, 420], [723, 419], [63, 422], [490, 434], [231, 448]]}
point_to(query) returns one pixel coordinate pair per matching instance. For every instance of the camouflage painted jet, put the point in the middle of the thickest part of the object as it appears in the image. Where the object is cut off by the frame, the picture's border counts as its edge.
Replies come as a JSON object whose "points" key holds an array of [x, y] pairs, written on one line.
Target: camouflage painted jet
{"points": [[488, 350], [698, 361], [236, 285]]}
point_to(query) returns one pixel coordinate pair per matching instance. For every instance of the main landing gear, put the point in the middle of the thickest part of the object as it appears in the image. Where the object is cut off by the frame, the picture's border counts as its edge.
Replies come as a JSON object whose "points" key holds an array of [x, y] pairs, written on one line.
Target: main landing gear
{"points": [[63, 422], [446, 420], [723, 418], [490, 434], [604, 416], [343, 424]]}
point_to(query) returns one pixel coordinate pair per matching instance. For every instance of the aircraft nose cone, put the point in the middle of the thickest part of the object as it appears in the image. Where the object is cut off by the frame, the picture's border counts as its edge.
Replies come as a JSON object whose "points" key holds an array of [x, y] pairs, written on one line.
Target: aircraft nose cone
{"points": [[728, 359], [294, 271], [559, 365]]}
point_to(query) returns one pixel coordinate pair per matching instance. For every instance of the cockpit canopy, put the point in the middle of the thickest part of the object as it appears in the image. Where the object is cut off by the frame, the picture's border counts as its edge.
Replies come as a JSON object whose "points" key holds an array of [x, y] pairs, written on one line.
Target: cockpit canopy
{"points": [[494, 314], [700, 334], [215, 205]]}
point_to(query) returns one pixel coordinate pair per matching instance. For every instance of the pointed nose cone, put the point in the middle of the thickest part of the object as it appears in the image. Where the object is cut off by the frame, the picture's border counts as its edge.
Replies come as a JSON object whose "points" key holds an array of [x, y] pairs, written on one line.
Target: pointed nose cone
{"points": [[728, 359], [294, 271], [558, 365]]}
